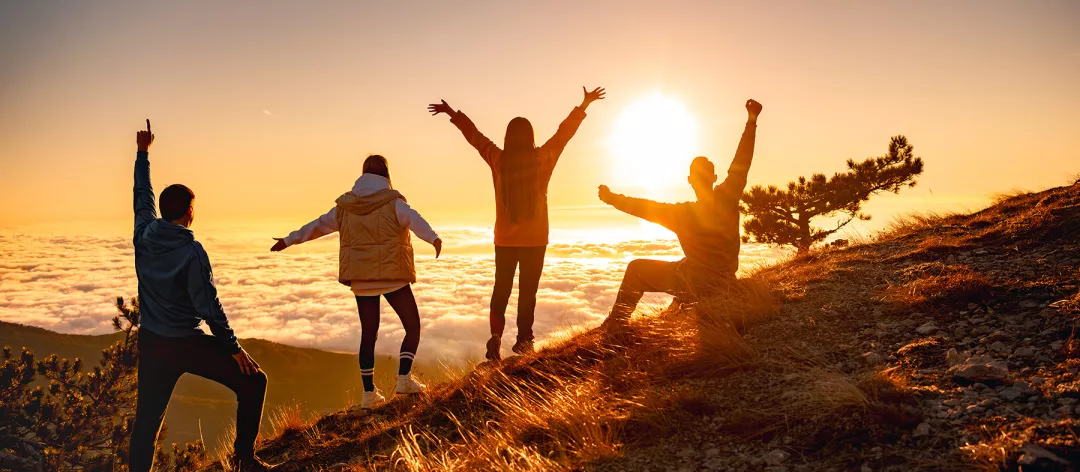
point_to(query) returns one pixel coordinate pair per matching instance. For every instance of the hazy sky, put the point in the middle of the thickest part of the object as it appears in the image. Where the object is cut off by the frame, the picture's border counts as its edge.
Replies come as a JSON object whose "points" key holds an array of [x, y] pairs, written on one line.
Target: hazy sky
{"points": [[266, 108]]}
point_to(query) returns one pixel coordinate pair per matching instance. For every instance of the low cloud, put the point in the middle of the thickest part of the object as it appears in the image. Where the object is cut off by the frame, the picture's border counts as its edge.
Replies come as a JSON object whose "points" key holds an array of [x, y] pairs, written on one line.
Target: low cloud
{"points": [[69, 284]]}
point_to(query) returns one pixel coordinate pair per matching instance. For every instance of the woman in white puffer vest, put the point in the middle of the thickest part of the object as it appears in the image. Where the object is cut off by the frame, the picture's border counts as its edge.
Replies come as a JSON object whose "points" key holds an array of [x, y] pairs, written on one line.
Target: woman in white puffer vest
{"points": [[375, 259]]}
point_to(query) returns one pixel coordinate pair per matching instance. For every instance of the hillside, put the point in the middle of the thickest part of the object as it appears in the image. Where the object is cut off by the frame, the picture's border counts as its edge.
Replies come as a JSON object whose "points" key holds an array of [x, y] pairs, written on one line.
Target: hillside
{"points": [[302, 381], [945, 343]]}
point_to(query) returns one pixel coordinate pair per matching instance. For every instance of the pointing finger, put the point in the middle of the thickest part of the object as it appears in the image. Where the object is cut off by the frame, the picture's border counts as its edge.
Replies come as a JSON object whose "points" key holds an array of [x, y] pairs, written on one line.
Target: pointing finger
{"points": [[148, 125]]}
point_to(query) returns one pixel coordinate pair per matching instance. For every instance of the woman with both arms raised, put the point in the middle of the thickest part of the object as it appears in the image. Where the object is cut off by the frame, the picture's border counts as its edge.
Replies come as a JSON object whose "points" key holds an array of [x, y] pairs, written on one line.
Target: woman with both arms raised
{"points": [[520, 172]]}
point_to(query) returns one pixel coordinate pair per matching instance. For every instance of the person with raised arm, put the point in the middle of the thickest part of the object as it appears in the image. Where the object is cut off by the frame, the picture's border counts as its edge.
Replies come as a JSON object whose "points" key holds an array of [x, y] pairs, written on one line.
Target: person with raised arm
{"points": [[708, 231], [375, 259], [520, 172], [176, 294]]}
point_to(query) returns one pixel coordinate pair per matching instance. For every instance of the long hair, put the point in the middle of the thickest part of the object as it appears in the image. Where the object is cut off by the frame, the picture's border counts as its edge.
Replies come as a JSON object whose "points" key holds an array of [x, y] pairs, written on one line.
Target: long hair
{"points": [[519, 171], [376, 164]]}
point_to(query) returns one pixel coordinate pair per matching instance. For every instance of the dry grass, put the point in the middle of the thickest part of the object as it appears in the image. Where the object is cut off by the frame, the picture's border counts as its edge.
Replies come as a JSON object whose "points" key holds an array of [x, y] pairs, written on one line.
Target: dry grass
{"points": [[940, 284]]}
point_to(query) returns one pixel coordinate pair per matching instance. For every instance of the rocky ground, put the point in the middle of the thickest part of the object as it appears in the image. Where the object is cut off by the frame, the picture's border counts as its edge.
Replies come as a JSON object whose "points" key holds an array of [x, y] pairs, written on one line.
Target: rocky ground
{"points": [[945, 344]]}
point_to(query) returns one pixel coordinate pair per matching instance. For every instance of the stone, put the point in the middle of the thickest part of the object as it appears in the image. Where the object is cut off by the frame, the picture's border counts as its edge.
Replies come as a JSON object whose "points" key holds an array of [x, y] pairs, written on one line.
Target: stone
{"points": [[686, 452], [1012, 393], [776, 457], [712, 452], [1034, 455], [999, 347], [953, 357], [922, 429], [872, 358], [980, 369], [928, 328], [1024, 352]]}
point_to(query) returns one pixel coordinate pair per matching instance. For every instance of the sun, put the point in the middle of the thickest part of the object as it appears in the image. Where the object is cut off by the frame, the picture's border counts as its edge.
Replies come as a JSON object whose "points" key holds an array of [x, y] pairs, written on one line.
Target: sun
{"points": [[652, 143]]}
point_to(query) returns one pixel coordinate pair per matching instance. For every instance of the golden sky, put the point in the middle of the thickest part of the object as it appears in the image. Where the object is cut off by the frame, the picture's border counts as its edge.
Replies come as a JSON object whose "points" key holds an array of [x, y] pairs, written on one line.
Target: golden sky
{"points": [[266, 109]]}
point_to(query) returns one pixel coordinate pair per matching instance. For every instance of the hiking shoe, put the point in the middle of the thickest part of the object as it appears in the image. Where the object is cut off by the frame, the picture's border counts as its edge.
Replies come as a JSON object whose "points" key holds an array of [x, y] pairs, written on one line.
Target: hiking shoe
{"points": [[370, 399], [249, 464], [493, 346], [523, 346], [407, 384]]}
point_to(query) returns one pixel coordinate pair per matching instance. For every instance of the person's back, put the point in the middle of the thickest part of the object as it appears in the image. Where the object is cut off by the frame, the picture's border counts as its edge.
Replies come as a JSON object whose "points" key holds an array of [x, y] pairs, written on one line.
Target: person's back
{"points": [[176, 294]]}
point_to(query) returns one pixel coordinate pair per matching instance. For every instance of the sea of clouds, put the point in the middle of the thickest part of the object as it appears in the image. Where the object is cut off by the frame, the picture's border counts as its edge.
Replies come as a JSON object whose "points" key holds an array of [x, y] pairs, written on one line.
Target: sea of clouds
{"points": [[69, 284]]}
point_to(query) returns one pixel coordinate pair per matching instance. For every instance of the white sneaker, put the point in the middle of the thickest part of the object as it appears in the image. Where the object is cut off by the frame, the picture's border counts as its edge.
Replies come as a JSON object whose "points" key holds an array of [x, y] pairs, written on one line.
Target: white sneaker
{"points": [[407, 384], [371, 399]]}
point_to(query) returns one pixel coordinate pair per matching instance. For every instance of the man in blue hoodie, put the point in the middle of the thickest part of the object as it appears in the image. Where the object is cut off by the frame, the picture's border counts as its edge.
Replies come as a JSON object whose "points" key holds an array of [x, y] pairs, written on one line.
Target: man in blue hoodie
{"points": [[177, 293]]}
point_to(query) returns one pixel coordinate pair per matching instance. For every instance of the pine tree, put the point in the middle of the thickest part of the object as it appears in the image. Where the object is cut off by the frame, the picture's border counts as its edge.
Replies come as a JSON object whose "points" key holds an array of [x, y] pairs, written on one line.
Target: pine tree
{"points": [[783, 216], [57, 417]]}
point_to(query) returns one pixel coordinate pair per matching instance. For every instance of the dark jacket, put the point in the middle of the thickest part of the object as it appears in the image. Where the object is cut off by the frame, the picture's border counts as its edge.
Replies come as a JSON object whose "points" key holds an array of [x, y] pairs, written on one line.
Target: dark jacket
{"points": [[708, 231], [176, 284]]}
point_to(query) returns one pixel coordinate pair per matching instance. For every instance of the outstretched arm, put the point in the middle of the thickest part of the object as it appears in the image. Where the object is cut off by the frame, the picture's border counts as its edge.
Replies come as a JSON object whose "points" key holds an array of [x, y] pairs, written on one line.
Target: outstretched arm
{"points": [[483, 145], [554, 146], [145, 210], [410, 218], [317, 228], [744, 155], [663, 214]]}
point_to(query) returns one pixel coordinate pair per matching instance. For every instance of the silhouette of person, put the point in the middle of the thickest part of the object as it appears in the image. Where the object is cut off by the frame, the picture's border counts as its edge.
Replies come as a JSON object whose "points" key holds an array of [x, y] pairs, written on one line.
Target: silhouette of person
{"points": [[520, 172], [376, 259], [177, 293], [708, 230]]}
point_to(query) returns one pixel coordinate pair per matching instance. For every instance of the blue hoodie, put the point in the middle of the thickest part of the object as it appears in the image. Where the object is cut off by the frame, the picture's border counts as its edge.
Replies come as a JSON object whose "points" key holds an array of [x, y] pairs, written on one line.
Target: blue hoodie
{"points": [[176, 284]]}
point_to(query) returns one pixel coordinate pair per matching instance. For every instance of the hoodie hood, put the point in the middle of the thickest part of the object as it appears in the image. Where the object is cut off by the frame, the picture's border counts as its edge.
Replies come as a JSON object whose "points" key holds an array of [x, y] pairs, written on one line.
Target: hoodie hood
{"points": [[369, 193], [161, 236]]}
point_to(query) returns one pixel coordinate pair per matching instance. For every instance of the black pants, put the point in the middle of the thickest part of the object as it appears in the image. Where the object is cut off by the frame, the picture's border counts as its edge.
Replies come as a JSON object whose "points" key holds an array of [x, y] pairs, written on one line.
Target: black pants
{"points": [[648, 275], [404, 304], [532, 266], [162, 360]]}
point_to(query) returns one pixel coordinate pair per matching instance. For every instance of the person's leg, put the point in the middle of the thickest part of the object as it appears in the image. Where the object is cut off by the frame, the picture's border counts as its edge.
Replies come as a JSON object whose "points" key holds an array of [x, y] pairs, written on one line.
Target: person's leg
{"points": [[532, 267], [404, 304], [506, 261], [368, 308], [157, 376], [645, 275], [208, 358]]}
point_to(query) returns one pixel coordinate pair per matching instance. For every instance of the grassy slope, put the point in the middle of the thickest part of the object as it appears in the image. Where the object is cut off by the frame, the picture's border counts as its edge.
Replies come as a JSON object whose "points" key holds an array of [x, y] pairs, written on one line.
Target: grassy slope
{"points": [[318, 381], [776, 374]]}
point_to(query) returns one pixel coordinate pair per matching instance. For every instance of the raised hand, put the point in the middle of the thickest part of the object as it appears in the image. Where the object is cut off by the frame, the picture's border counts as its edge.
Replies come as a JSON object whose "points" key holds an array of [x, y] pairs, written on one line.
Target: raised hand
{"points": [[438, 247], [596, 94], [279, 245], [144, 138], [604, 193], [753, 108], [436, 108]]}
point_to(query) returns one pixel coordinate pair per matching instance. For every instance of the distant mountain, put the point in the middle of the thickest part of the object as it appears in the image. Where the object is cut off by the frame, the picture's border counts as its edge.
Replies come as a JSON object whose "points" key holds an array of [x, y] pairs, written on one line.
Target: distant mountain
{"points": [[320, 381]]}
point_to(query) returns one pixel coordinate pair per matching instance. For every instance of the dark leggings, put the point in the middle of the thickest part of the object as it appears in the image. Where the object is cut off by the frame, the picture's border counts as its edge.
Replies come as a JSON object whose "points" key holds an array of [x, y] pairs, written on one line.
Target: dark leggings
{"points": [[162, 360], [404, 304], [532, 266]]}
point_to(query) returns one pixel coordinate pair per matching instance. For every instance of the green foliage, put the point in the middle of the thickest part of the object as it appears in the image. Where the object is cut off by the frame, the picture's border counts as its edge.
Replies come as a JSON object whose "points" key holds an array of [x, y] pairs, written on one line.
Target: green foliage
{"points": [[783, 216], [57, 417]]}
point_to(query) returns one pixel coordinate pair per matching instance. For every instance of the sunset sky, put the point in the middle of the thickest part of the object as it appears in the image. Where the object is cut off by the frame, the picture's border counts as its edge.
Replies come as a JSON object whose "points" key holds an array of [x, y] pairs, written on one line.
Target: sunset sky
{"points": [[266, 109]]}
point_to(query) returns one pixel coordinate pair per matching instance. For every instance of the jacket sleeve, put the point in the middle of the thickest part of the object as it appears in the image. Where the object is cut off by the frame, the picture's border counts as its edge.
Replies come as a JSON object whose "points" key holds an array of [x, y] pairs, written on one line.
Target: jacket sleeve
{"points": [[483, 145], [319, 227], [735, 182], [663, 214], [409, 218], [554, 146], [203, 293], [145, 210]]}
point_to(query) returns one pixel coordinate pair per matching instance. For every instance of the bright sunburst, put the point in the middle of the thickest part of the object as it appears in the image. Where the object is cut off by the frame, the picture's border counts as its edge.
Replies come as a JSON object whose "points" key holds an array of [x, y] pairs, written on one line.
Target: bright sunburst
{"points": [[653, 142]]}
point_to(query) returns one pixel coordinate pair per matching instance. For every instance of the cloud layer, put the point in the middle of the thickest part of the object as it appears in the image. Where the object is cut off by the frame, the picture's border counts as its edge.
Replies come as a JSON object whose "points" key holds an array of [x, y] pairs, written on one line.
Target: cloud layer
{"points": [[68, 284]]}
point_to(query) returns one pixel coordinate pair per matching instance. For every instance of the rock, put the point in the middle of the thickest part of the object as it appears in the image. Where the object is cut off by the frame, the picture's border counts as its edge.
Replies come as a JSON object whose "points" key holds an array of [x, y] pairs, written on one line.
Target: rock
{"points": [[1012, 393], [712, 452], [1056, 345], [1000, 347], [921, 430], [872, 358], [1024, 352], [1038, 458], [686, 452], [776, 457], [981, 369], [953, 357], [928, 328]]}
